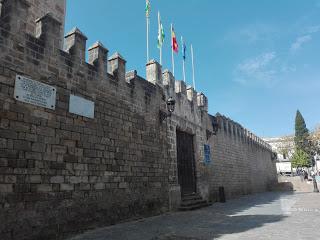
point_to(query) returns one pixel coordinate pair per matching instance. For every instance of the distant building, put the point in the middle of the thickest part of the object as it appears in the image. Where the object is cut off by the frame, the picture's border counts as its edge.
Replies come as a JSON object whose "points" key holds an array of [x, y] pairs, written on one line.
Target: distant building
{"points": [[284, 147]]}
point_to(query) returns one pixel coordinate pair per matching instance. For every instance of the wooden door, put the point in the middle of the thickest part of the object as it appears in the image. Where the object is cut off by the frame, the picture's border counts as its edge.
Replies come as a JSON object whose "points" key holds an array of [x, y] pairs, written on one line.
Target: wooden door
{"points": [[186, 163]]}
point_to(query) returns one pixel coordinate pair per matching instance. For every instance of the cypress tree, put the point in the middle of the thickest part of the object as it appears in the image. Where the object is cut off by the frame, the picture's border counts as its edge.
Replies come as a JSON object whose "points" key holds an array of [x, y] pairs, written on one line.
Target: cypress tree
{"points": [[301, 139], [301, 132]]}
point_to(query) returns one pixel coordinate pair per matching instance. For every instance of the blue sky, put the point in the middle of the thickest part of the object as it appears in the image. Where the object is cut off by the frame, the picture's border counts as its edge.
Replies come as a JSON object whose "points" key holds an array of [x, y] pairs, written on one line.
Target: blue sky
{"points": [[256, 61]]}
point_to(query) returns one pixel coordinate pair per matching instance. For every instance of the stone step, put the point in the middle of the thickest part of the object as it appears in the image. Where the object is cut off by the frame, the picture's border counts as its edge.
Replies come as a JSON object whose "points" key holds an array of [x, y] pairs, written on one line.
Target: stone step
{"points": [[192, 202], [191, 197], [193, 207]]}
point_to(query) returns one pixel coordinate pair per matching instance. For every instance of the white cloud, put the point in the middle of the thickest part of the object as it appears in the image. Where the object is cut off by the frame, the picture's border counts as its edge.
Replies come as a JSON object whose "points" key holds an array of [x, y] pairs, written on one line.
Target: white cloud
{"points": [[299, 42], [256, 70], [288, 69], [252, 33], [313, 29], [255, 64]]}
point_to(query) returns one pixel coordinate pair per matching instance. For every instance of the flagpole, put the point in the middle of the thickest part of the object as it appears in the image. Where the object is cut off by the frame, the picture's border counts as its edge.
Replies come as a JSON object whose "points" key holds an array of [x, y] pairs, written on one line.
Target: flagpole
{"points": [[159, 35], [172, 57], [161, 55], [184, 72], [194, 83], [183, 61], [148, 38]]}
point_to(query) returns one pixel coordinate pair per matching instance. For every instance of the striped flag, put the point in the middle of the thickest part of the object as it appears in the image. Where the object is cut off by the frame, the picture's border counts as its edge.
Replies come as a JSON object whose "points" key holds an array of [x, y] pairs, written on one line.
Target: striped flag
{"points": [[175, 46]]}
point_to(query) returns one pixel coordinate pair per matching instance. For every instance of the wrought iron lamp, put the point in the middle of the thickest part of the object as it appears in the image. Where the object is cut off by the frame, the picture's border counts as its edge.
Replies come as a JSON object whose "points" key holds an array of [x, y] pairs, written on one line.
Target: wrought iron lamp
{"points": [[171, 103], [215, 125]]}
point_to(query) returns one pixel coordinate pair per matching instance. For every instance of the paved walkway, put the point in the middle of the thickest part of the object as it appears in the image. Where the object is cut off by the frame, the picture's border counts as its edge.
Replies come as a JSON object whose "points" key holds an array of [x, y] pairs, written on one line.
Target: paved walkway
{"points": [[264, 216]]}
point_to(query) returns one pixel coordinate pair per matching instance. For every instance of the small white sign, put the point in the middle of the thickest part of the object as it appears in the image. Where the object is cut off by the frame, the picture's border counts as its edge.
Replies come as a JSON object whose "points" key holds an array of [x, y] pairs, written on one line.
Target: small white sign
{"points": [[81, 106], [34, 92]]}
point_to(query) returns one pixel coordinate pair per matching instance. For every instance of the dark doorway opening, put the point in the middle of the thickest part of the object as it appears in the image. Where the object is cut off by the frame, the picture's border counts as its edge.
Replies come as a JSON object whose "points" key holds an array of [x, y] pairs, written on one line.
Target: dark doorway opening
{"points": [[186, 163]]}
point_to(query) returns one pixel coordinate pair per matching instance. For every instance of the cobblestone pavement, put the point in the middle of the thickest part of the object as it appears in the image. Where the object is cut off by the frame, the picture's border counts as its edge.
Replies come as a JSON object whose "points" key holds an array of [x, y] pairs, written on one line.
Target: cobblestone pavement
{"points": [[271, 215]]}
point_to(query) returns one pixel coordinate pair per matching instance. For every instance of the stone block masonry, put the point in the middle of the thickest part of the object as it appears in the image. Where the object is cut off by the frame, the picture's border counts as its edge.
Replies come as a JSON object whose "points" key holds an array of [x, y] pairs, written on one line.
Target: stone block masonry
{"points": [[61, 173], [242, 163], [39, 8]]}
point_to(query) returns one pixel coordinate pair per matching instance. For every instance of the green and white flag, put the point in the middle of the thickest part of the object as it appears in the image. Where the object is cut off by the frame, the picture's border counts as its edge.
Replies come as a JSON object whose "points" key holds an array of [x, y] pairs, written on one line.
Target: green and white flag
{"points": [[148, 8], [161, 35]]}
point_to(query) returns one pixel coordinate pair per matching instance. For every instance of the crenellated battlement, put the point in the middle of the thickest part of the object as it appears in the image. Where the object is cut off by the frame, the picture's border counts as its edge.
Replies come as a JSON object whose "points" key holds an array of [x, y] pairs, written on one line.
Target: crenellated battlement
{"points": [[43, 48], [101, 73], [75, 45], [232, 128]]}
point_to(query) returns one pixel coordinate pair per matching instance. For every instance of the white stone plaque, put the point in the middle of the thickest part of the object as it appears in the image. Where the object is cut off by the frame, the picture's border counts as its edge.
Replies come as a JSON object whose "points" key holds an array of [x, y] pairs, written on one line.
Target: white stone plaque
{"points": [[81, 106], [34, 92]]}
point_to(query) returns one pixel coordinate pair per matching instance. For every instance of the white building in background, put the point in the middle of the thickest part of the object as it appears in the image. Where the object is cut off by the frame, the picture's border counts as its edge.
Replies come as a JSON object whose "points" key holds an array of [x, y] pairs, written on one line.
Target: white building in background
{"points": [[284, 147]]}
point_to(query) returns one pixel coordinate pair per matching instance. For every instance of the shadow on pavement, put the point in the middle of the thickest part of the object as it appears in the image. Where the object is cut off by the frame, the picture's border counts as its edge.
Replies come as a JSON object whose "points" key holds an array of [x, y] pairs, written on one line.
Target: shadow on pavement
{"points": [[229, 225], [234, 216], [237, 224], [245, 202]]}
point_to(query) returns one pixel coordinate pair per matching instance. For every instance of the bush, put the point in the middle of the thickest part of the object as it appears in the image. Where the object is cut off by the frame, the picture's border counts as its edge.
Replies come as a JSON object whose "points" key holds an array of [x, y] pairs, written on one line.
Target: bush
{"points": [[300, 159]]}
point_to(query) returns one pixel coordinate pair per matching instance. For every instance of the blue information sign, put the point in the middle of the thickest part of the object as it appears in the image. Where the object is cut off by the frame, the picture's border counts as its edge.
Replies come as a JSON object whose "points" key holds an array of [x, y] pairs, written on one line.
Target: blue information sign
{"points": [[207, 158]]}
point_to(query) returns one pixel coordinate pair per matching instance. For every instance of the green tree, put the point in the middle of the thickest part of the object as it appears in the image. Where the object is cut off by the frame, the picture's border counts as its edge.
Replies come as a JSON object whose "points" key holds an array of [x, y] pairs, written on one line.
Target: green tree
{"points": [[301, 138], [300, 159]]}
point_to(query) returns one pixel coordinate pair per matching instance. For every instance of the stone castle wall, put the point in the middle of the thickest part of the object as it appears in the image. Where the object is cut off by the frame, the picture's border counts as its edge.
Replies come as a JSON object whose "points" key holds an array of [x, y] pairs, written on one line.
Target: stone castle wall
{"points": [[39, 8], [242, 163], [61, 173]]}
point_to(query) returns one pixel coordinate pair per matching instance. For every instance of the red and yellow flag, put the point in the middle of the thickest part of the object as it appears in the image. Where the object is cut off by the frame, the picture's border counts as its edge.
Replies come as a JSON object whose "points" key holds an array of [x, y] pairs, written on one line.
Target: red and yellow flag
{"points": [[175, 46]]}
